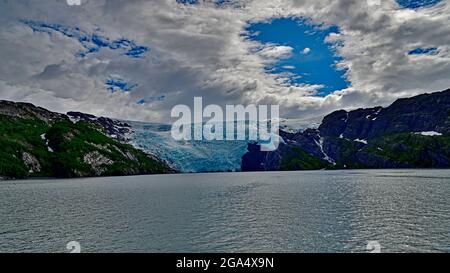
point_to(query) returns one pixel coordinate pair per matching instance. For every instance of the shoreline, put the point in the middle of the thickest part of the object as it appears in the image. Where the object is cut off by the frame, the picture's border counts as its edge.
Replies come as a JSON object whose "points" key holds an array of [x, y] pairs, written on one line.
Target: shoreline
{"points": [[204, 173]]}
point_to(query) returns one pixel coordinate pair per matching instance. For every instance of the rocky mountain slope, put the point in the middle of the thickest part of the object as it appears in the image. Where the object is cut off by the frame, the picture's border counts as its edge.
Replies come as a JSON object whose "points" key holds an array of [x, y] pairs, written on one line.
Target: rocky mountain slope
{"points": [[35, 142], [411, 133]]}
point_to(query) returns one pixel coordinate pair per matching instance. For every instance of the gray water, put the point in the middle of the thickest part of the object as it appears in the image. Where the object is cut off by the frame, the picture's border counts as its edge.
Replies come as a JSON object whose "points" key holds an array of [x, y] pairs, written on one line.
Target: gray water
{"points": [[324, 211]]}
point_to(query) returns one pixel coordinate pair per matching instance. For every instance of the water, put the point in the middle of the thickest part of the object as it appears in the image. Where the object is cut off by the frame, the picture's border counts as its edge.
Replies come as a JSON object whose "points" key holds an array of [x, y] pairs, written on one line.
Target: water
{"points": [[323, 211]]}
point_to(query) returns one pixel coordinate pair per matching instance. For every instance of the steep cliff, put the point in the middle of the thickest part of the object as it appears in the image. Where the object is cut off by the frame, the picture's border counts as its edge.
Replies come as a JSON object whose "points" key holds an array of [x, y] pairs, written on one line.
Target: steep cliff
{"points": [[410, 133]]}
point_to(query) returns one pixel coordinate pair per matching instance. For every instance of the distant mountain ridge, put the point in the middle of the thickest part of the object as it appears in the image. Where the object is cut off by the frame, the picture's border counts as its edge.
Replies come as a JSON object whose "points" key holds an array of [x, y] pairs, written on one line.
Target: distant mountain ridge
{"points": [[35, 142], [427, 112], [410, 133]]}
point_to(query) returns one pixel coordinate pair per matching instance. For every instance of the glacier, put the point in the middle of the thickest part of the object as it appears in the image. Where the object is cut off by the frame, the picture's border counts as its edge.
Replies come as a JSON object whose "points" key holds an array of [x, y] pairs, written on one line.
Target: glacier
{"points": [[188, 156], [198, 156]]}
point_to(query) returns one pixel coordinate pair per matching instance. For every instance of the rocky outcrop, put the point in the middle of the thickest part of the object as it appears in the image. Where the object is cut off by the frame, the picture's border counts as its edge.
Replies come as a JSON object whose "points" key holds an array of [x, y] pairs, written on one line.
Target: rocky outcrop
{"points": [[428, 112], [98, 162], [29, 111], [256, 161], [367, 138], [307, 142], [31, 162], [115, 129]]}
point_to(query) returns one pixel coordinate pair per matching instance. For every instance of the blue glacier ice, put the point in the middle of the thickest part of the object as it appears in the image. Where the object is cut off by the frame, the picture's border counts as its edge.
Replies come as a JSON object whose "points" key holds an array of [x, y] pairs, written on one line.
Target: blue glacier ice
{"points": [[200, 156], [188, 156]]}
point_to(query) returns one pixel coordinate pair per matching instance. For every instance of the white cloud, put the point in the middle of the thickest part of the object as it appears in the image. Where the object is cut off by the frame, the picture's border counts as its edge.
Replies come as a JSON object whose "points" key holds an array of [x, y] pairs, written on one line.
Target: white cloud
{"points": [[200, 50], [306, 50], [274, 52]]}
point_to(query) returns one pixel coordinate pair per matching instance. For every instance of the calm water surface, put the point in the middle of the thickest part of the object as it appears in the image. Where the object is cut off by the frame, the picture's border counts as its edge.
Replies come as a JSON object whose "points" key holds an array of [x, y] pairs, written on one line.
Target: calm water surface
{"points": [[324, 211]]}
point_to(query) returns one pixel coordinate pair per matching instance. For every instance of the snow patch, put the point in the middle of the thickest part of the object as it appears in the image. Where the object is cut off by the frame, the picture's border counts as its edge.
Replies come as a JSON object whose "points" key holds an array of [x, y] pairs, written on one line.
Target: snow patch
{"points": [[346, 117], [325, 156], [74, 120], [44, 138], [429, 133], [374, 114], [361, 141], [299, 125]]}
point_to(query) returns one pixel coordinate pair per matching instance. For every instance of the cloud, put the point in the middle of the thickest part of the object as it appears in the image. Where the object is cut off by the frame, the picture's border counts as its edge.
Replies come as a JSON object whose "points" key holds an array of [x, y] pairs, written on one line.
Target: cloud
{"points": [[306, 50], [201, 49], [274, 52]]}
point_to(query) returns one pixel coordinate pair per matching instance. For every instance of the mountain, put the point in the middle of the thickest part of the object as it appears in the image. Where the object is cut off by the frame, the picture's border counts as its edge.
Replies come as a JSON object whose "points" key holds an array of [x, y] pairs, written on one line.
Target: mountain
{"points": [[410, 133], [35, 142]]}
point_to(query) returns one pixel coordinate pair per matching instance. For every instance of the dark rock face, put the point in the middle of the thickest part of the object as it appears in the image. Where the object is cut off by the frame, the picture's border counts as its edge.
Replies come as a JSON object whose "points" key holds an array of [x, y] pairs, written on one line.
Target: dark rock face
{"points": [[307, 145], [369, 138], [257, 161], [428, 112], [113, 128], [335, 123], [309, 141], [28, 111]]}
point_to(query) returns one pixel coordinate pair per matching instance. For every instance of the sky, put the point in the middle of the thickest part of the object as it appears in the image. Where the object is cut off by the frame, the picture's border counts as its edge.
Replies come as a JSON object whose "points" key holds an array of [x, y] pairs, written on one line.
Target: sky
{"points": [[302, 65], [137, 59]]}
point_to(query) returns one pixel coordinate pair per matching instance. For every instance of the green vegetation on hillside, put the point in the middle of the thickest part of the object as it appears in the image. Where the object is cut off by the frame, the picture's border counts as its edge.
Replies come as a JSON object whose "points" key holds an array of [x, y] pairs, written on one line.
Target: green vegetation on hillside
{"points": [[405, 150], [33, 148], [413, 149], [16, 137], [297, 159]]}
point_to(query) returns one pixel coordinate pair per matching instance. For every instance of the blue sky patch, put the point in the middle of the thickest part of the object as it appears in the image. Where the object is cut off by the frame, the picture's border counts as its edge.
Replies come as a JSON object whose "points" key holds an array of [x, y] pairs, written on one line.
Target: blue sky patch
{"points": [[313, 60], [416, 4], [91, 42], [152, 99], [117, 84], [219, 3], [424, 51], [158, 98], [187, 2], [141, 102]]}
